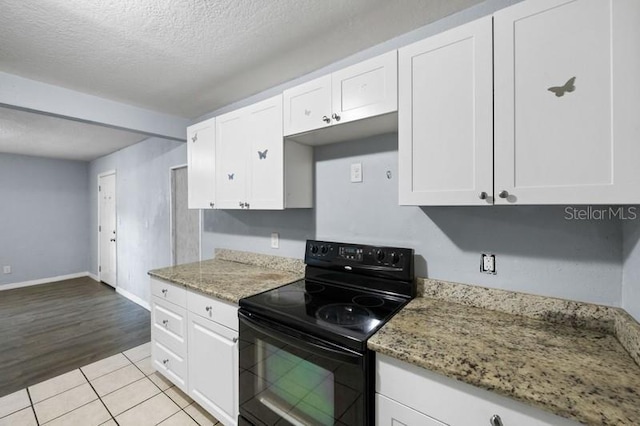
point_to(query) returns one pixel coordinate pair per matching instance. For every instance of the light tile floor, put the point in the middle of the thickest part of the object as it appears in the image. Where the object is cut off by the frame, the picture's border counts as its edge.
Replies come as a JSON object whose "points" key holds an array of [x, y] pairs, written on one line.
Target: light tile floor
{"points": [[120, 390]]}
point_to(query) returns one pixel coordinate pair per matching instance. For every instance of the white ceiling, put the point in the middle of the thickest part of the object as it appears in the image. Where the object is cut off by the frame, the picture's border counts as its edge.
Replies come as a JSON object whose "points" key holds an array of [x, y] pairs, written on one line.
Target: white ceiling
{"points": [[44, 136], [190, 57], [181, 57]]}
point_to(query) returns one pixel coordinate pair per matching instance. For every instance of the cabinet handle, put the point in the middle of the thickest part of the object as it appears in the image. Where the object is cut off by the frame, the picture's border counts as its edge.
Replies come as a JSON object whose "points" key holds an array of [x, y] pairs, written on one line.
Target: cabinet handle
{"points": [[208, 309], [164, 291], [246, 205], [165, 322], [211, 204], [235, 340], [335, 117], [503, 194], [241, 204], [165, 361], [483, 195], [326, 119], [495, 420]]}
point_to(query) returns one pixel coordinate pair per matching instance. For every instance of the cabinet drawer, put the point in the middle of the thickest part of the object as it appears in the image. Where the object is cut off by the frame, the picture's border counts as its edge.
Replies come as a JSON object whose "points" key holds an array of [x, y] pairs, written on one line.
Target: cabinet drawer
{"points": [[442, 398], [392, 413], [169, 292], [171, 365], [213, 309], [169, 325]]}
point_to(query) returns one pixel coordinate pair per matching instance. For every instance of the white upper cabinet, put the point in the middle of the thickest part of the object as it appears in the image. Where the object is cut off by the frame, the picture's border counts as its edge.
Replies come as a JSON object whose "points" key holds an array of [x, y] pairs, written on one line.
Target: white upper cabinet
{"points": [[255, 167], [201, 164], [367, 89], [445, 133], [566, 102]]}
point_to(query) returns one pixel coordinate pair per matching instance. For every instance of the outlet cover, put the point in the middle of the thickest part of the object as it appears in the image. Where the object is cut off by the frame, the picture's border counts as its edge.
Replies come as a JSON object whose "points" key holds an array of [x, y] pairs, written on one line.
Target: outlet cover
{"points": [[275, 240], [488, 263], [356, 172], [6, 269]]}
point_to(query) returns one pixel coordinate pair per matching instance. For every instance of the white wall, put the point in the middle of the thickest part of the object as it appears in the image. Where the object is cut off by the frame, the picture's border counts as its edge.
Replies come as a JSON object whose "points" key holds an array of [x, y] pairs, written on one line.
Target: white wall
{"points": [[44, 217], [143, 205]]}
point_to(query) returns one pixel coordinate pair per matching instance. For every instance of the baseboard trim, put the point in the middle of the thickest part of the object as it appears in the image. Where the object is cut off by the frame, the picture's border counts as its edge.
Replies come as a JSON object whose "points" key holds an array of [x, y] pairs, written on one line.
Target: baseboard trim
{"points": [[11, 286], [93, 277], [133, 298]]}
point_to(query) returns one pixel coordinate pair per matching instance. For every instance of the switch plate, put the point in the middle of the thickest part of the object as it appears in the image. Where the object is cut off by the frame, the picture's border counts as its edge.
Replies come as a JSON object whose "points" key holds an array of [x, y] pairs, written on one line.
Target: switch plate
{"points": [[6, 269], [275, 240], [488, 263], [356, 172]]}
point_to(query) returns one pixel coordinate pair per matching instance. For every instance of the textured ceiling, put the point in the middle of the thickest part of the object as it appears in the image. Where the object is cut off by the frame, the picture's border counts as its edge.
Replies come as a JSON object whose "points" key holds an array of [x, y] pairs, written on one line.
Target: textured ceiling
{"points": [[44, 136], [190, 57]]}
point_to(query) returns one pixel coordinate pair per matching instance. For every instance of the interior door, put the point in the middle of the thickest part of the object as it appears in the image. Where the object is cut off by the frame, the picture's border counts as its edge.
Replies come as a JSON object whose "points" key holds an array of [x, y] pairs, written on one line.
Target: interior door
{"points": [[107, 229]]}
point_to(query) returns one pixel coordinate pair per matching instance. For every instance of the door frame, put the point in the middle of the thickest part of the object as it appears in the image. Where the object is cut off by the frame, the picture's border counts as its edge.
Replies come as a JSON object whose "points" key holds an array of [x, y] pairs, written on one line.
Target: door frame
{"points": [[171, 254], [101, 175]]}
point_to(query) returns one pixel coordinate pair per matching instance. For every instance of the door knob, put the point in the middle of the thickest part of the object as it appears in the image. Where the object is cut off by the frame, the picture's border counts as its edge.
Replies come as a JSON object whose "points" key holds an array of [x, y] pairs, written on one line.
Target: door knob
{"points": [[483, 195], [326, 119], [335, 117], [503, 194], [495, 420]]}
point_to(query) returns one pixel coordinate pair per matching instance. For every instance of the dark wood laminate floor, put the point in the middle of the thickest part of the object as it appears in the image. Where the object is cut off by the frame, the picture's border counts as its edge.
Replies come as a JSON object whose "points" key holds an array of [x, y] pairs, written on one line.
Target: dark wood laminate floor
{"points": [[49, 329]]}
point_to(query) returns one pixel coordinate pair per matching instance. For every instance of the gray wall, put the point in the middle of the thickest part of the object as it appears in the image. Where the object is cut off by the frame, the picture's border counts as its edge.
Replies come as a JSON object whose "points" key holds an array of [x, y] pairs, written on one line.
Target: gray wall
{"points": [[631, 266], [537, 250], [143, 185], [44, 217]]}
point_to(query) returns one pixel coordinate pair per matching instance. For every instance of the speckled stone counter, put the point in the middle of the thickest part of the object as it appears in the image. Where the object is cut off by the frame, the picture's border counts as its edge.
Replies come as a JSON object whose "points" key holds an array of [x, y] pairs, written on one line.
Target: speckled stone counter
{"points": [[231, 280], [561, 358]]}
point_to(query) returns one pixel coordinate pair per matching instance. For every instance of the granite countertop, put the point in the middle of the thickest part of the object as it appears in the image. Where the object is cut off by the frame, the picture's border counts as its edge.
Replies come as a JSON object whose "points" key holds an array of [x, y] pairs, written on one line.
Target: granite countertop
{"points": [[552, 354], [233, 275]]}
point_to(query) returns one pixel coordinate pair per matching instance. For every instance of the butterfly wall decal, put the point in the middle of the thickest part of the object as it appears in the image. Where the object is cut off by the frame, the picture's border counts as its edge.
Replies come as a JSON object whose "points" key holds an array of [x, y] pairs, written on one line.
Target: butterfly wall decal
{"points": [[231, 175], [568, 87], [194, 138], [262, 154]]}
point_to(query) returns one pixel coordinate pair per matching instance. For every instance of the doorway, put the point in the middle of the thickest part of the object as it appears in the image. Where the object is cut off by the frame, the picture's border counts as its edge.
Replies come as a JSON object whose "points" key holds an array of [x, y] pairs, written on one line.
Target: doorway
{"points": [[185, 222], [107, 267]]}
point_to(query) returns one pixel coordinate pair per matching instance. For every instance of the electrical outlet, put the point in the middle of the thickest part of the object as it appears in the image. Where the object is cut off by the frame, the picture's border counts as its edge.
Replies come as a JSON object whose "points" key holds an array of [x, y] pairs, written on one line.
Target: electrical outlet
{"points": [[356, 172], [488, 263], [6, 269], [275, 240]]}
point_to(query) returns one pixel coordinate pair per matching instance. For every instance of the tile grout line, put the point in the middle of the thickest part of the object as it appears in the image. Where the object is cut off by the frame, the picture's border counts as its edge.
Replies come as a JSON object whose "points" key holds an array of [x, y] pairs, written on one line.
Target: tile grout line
{"points": [[33, 408], [99, 398]]}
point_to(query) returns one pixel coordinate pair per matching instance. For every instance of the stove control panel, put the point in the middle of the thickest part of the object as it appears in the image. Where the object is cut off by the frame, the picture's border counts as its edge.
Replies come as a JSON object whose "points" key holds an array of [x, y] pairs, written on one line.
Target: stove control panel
{"points": [[324, 253]]}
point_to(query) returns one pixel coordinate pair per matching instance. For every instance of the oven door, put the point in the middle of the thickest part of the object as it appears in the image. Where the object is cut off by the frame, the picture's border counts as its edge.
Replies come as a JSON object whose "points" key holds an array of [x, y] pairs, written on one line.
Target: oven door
{"points": [[289, 377]]}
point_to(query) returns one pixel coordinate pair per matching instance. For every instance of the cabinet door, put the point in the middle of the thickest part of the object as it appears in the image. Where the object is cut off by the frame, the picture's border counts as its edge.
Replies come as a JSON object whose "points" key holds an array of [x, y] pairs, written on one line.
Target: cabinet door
{"points": [[266, 157], [213, 368], [366, 89], [201, 139], [231, 155], [445, 134], [307, 106], [564, 86], [392, 413]]}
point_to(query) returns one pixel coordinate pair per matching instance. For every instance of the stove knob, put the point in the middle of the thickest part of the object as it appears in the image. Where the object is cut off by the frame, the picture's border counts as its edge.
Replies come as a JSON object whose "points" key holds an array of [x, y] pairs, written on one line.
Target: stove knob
{"points": [[380, 255], [324, 249], [314, 248], [394, 258]]}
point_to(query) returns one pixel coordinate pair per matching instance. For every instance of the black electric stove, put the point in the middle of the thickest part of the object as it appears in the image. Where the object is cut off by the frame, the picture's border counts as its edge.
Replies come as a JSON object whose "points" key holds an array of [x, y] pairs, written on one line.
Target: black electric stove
{"points": [[315, 331]]}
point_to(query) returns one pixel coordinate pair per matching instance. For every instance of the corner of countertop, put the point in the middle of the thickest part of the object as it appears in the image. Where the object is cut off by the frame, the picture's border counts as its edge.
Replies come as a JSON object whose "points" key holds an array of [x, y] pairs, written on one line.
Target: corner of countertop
{"points": [[280, 263], [607, 319]]}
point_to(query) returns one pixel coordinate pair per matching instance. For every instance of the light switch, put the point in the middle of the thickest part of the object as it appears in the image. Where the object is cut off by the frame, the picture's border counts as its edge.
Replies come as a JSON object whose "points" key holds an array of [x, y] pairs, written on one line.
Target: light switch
{"points": [[356, 172]]}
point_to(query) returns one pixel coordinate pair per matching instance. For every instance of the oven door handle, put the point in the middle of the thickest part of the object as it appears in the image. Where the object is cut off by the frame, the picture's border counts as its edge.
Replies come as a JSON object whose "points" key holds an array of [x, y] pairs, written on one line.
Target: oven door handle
{"points": [[302, 340]]}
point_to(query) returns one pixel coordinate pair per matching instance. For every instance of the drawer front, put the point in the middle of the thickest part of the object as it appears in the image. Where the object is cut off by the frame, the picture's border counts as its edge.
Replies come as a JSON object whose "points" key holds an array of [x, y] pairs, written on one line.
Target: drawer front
{"points": [[216, 310], [392, 413], [171, 365], [169, 325], [169, 292]]}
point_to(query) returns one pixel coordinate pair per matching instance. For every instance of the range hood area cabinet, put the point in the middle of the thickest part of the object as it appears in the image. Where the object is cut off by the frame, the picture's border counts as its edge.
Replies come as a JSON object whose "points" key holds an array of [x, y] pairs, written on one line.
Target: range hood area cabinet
{"points": [[357, 101], [201, 140], [255, 167], [566, 96]]}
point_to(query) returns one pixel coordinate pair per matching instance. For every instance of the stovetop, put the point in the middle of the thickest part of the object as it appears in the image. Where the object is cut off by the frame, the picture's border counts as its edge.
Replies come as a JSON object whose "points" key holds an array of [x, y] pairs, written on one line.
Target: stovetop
{"points": [[346, 296]]}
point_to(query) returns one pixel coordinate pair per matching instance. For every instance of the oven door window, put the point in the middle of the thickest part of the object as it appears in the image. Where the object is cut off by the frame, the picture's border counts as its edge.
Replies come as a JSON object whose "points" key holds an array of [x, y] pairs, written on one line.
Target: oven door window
{"points": [[288, 380]]}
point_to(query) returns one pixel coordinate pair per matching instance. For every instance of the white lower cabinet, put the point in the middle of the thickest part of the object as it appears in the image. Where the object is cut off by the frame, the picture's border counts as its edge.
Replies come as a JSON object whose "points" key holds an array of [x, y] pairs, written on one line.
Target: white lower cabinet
{"points": [[407, 395], [194, 345], [213, 367]]}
